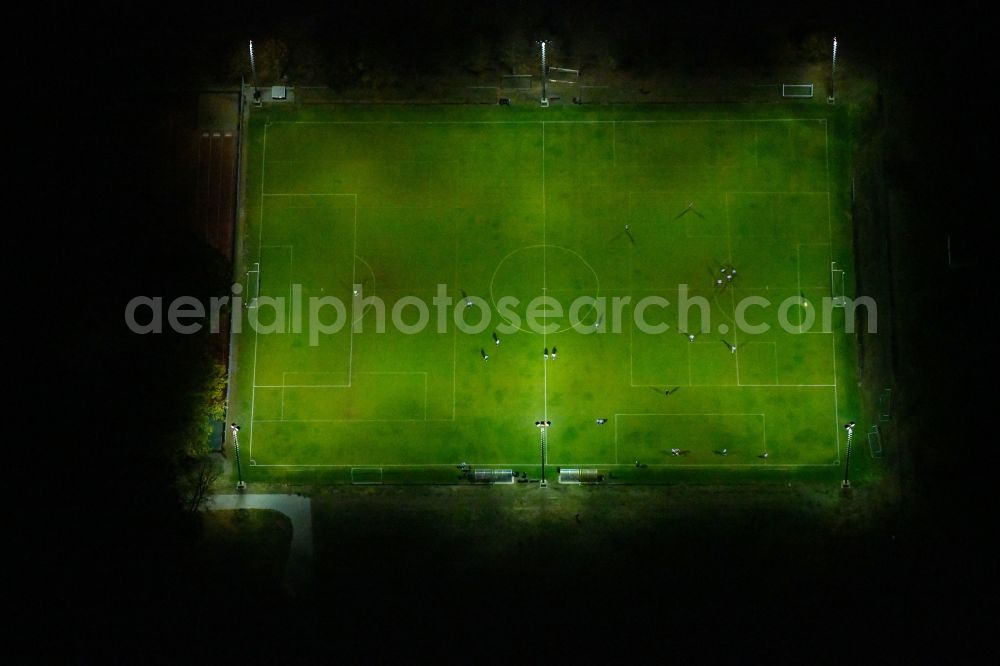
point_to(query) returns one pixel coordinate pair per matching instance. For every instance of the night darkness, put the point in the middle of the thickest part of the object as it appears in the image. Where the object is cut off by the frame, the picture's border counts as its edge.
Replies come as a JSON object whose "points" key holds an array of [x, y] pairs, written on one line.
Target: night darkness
{"points": [[926, 590]]}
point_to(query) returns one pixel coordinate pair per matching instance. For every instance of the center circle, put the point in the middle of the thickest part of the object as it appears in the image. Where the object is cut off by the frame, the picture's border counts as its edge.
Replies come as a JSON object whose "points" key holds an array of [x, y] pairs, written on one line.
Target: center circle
{"points": [[545, 270]]}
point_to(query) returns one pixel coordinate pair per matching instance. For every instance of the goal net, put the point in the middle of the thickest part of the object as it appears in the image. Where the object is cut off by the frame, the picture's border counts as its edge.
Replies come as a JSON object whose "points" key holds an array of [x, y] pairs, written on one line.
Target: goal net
{"points": [[253, 285], [837, 285], [797, 90], [563, 75]]}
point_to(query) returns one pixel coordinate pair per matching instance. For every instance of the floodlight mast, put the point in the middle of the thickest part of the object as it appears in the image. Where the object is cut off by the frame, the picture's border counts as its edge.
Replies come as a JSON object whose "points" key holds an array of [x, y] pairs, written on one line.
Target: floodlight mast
{"points": [[240, 485], [253, 68], [833, 69], [542, 425], [543, 483], [545, 71], [849, 427]]}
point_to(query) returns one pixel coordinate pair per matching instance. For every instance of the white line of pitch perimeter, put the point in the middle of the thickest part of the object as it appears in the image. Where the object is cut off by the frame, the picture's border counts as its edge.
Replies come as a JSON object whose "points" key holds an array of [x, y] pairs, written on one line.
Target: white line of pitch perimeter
{"points": [[545, 338], [256, 335], [833, 338], [532, 122]]}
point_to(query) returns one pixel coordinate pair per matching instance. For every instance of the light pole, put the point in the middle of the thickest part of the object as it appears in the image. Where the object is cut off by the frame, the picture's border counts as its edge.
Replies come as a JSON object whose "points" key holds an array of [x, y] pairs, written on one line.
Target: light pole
{"points": [[253, 75], [240, 485], [833, 70], [542, 425], [849, 427], [545, 71]]}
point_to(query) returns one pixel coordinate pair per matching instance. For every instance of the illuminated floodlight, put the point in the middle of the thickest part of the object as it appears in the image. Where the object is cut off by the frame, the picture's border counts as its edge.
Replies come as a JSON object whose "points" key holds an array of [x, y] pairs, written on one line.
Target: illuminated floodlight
{"points": [[849, 427], [545, 70]]}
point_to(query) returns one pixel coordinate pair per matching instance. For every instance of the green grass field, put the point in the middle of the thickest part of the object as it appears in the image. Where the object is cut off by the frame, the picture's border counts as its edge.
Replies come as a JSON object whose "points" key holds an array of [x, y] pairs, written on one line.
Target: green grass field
{"points": [[499, 202]]}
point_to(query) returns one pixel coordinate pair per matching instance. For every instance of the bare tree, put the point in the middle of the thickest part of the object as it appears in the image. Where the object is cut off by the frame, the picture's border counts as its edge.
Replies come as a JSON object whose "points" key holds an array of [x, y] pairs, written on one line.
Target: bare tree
{"points": [[196, 481]]}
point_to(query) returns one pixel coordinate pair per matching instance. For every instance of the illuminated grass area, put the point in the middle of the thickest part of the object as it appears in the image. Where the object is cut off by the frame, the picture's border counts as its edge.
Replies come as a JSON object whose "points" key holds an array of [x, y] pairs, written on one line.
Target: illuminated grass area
{"points": [[499, 202]]}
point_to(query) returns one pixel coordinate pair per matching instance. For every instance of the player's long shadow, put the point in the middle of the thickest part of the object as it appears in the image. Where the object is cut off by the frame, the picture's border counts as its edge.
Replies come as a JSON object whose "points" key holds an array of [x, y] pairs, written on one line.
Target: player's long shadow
{"points": [[689, 210]]}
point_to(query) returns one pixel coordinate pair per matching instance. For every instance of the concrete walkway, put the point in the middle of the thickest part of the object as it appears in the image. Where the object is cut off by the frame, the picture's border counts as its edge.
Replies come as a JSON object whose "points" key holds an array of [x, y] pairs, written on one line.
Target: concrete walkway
{"points": [[299, 571]]}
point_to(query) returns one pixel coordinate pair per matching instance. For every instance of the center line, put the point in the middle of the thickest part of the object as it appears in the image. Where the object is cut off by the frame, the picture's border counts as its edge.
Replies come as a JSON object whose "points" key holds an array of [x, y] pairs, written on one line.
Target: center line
{"points": [[545, 338]]}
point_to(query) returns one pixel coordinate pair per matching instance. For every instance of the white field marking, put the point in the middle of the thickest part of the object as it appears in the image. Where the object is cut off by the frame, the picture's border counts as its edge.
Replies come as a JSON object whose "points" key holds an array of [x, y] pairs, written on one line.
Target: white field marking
{"points": [[454, 333], [454, 373], [354, 270], [631, 347], [718, 386], [285, 384], [691, 413], [370, 272], [727, 192], [535, 122], [777, 192], [732, 292], [454, 364], [260, 247], [449, 465], [763, 442], [545, 337], [404, 465], [260, 241], [616, 441], [798, 275], [340, 421], [759, 465], [291, 264], [579, 256], [833, 340], [360, 372], [351, 332], [342, 386], [780, 385]]}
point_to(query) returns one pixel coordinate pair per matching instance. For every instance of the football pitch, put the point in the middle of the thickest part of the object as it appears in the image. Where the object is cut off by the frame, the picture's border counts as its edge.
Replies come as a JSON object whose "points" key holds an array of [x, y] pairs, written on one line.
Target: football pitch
{"points": [[668, 271]]}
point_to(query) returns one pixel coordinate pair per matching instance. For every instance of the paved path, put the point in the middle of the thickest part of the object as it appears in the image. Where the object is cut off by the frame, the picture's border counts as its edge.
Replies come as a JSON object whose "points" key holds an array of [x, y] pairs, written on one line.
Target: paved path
{"points": [[299, 571]]}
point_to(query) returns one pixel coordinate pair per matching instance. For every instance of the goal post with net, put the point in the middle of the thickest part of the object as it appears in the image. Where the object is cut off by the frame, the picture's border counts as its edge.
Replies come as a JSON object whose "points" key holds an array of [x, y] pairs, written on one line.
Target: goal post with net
{"points": [[797, 90], [253, 285], [837, 285], [563, 75]]}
